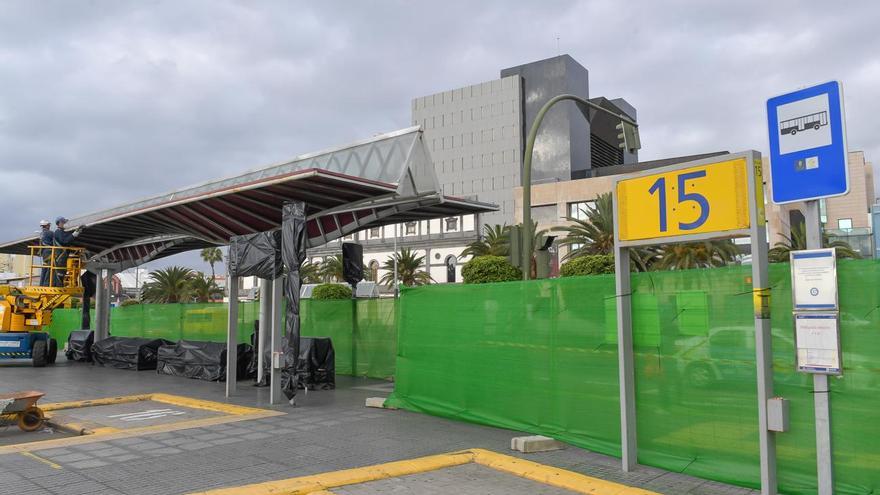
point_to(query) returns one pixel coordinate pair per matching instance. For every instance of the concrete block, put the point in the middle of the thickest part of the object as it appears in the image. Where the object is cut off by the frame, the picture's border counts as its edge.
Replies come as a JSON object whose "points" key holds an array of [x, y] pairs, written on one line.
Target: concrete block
{"points": [[535, 443], [378, 402]]}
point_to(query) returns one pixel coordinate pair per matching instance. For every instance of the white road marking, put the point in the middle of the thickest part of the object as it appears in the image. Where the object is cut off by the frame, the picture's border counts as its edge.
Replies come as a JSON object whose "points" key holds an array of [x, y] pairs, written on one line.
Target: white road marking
{"points": [[148, 414]]}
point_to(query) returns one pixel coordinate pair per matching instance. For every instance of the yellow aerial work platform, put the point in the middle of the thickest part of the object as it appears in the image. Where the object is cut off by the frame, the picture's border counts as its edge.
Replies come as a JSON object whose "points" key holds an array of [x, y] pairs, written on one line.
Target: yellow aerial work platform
{"points": [[25, 311]]}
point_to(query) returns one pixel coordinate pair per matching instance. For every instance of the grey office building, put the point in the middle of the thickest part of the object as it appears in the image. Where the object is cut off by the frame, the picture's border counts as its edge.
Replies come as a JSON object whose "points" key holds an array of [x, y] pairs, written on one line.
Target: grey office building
{"points": [[476, 134]]}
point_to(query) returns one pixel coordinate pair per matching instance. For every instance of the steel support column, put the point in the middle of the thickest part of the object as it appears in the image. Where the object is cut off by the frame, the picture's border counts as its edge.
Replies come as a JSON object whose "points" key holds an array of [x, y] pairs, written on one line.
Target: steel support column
{"points": [[102, 305], [275, 395], [232, 336], [264, 324]]}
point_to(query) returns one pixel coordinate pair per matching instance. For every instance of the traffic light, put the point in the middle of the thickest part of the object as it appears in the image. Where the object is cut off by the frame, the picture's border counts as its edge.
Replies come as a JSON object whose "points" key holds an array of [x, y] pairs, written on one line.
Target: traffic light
{"points": [[628, 136]]}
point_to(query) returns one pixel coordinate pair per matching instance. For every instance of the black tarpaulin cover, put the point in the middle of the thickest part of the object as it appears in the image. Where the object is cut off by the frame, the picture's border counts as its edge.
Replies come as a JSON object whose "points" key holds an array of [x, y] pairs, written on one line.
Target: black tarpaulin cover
{"points": [[200, 360], [129, 353], [256, 255], [352, 263], [79, 345], [316, 366], [293, 252], [89, 283]]}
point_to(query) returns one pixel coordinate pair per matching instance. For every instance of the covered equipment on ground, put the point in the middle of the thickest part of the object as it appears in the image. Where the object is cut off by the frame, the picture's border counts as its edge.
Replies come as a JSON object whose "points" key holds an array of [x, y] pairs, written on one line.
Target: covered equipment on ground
{"points": [[127, 353], [79, 345], [200, 360], [316, 368]]}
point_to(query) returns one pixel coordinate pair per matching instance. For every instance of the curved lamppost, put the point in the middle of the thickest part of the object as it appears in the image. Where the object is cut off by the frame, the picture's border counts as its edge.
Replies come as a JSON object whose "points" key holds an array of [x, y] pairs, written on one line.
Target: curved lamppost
{"points": [[630, 141]]}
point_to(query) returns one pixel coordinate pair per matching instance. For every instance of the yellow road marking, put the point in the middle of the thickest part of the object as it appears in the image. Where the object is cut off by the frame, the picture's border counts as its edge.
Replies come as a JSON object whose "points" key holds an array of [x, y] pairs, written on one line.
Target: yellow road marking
{"points": [[315, 483], [44, 461], [208, 405], [232, 413], [548, 475], [108, 401]]}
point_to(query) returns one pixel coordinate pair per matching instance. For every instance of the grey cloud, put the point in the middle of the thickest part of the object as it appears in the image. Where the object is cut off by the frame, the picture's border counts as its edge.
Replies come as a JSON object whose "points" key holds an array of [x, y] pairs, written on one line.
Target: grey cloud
{"points": [[104, 102]]}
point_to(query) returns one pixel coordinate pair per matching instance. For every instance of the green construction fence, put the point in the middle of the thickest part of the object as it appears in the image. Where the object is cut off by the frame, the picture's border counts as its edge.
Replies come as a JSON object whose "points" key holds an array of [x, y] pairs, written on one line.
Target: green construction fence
{"points": [[369, 348], [541, 357]]}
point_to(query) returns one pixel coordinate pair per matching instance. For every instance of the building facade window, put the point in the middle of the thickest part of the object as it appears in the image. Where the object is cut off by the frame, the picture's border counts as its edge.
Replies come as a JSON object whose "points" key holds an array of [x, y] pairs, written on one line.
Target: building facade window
{"points": [[450, 269], [844, 224], [545, 214], [410, 228], [581, 209], [451, 224], [375, 232], [373, 271]]}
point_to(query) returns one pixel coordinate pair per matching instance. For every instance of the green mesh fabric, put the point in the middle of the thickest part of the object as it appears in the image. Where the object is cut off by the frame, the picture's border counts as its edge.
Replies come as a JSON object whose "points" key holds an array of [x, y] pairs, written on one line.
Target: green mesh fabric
{"points": [[370, 349], [541, 357], [375, 338]]}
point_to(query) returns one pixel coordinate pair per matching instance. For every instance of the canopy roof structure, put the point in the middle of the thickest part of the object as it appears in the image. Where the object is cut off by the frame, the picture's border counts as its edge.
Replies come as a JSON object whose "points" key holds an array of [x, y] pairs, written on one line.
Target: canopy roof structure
{"points": [[383, 180]]}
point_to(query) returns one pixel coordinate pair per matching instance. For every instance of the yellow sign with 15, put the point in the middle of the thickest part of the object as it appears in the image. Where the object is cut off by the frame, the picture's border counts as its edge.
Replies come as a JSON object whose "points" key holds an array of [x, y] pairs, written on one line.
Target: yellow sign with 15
{"points": [[703, 199]]}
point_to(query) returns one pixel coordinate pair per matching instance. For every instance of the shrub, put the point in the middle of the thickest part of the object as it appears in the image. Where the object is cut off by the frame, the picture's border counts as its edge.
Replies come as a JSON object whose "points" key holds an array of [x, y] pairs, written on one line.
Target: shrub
{"points": [[129, 302], [486, 269], [591, 264], [331, 291]]}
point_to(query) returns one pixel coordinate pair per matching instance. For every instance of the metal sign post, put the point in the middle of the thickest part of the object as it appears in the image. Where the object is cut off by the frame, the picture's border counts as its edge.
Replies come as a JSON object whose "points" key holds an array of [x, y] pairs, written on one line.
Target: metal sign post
{"points": [[817, 338], [808, 162], [716, 198]]}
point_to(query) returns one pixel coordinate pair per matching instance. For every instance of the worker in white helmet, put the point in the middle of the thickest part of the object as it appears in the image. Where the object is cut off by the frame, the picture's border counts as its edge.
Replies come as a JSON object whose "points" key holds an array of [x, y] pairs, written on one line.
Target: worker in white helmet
{"points": [[47, 239]]}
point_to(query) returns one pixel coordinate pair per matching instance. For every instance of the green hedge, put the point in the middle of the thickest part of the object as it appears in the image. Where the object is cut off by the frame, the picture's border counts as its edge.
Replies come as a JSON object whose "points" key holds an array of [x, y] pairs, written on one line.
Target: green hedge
{"points": [[594, 264], [487, 269], [331, 291]]}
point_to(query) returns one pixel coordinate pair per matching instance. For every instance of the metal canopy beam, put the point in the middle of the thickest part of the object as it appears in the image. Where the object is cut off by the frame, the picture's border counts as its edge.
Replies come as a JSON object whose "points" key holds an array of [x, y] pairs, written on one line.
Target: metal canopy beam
{"points": [[339, 184]]}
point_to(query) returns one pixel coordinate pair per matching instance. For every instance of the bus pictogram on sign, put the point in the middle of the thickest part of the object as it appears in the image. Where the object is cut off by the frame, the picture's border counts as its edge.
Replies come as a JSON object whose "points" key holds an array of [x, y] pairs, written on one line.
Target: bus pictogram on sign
{"points": [[812, 121]]}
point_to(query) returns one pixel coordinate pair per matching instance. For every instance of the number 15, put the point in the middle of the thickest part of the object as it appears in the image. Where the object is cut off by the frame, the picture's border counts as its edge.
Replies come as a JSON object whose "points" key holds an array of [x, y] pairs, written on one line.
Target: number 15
{"points": [[659, 187]]}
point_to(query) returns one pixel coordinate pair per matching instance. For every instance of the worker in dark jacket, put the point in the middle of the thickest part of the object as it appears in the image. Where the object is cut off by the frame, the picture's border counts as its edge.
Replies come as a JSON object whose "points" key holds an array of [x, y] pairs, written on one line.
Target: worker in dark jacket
{"points": [[63, 238], [46, 239]]}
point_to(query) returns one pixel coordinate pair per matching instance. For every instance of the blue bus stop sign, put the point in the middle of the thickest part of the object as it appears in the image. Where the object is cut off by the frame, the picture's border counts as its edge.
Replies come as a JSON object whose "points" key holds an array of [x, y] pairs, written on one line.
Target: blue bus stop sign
{"points": [[807, 144]]}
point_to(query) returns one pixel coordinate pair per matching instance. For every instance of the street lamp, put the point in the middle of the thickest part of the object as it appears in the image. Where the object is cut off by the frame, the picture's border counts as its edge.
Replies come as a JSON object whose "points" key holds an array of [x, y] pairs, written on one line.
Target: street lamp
{"points": [[630, 142]]}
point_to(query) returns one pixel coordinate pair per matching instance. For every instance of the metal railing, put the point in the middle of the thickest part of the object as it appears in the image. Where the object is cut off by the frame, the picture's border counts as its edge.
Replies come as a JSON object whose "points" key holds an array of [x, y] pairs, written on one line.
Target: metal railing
{"points": [[59, 266]]}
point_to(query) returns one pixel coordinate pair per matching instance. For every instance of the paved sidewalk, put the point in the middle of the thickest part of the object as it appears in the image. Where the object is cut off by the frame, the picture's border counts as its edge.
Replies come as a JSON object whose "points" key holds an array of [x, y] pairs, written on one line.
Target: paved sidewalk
{"points": [[331, 430]]}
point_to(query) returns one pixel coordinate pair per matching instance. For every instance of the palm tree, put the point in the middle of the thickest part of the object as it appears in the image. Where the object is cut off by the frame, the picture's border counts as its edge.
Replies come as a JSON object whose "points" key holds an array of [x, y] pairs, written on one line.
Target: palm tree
{"points": [[170, 285], [704, 254], [203, 289], [210, 256], [332, 269], [798, 241], [595, 235], [494, 242], [310, 273], [408, 269]]}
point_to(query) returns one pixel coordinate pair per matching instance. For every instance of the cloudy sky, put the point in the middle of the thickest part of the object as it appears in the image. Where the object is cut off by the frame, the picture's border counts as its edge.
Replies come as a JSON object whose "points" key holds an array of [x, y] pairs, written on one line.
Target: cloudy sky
{"points": [[104, 102]]}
